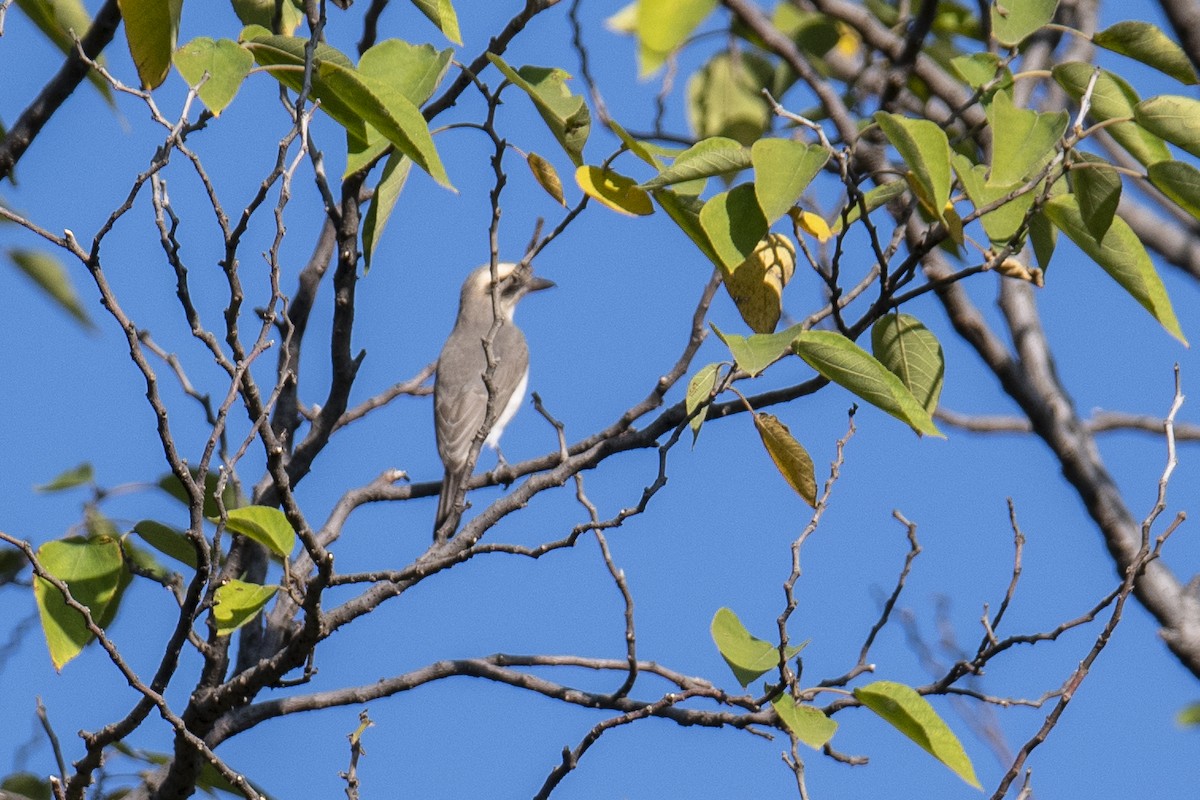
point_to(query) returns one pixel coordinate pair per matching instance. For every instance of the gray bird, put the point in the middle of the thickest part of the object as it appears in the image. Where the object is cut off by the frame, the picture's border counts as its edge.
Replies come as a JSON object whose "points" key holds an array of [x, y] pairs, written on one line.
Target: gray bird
{"points": [[460, 397]]}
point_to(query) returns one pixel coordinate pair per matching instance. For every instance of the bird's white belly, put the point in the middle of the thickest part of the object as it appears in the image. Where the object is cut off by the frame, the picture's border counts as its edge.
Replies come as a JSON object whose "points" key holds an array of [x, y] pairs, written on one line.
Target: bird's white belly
{"points": [[514, 403]]}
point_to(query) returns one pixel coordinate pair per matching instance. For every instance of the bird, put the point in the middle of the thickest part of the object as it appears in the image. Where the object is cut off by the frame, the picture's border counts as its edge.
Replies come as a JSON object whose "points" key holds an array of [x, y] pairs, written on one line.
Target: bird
{"points": [[460, 395]]}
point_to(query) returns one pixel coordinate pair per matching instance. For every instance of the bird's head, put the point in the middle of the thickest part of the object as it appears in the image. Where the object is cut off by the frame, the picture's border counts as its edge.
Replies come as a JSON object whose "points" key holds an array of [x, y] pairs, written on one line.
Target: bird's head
{"points": [[513, 281]]}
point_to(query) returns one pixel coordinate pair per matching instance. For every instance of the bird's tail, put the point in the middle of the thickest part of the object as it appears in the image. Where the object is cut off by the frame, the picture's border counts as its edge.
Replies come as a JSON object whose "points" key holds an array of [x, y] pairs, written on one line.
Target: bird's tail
{"points": [[448, 514]]}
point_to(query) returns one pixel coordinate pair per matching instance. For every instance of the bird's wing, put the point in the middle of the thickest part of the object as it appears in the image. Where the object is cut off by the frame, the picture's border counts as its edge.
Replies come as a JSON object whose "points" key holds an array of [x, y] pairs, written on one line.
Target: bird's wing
{"points": [[459, 411]]}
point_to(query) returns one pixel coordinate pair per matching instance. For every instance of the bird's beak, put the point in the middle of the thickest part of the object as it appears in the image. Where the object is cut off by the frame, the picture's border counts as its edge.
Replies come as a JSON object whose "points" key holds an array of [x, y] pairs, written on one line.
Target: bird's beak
{"points": [[536, 284]]}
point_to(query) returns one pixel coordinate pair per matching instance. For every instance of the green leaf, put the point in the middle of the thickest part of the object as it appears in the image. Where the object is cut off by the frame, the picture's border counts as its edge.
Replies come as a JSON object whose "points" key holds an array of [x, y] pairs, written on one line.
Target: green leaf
{"points": [[27, 785], [924, 147], [908, 712], [143, 562], [547, 177], [663, 25], [388, 111], [1173, 118], [790, 457], [755, 353], [980, 69], [783, 168], [614, 190], [913, 354], [266, 525], [168, 541], [1014, 20], [564, 113], [1189, 716], [172, 486], [1112, 98], [707, 158], [685, 209], [699, 390], [286, 55], [1044, 238], [808, 724], [95, 573], [51, 277], [639, 148], [1148, 44], [413, 70], [62, 21], [225, 62], [724, 97], [1098, 188], [734, 225], [151, 28], [748, 656], [69, 479], [236, 602], [848, 365], [383, 201], [262, 12], [1023, 141], [756, 285], [1121, 254], [1003, 223], [1178, 181], [441, 13]]}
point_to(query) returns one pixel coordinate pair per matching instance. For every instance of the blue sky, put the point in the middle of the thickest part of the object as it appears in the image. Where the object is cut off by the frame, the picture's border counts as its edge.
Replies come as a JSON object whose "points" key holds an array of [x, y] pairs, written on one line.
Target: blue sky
{"points": [[717, 535]]}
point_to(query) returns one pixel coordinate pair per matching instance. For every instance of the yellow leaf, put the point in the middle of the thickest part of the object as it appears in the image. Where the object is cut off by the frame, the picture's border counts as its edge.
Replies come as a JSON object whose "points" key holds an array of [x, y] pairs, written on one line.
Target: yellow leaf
{"points": [[812, 224], [615, 191], [547, 177], [953, 222], [789, 456]]}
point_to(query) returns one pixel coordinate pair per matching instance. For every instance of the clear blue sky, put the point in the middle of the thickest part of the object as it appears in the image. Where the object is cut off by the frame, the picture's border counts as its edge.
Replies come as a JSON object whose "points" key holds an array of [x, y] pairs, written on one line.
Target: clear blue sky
{"points": [[717, 535]]}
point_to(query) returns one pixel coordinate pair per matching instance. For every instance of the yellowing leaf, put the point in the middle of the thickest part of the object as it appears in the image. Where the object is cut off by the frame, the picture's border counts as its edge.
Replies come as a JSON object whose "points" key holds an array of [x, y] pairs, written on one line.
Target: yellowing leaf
{"points": [[748, 656], [266, 525], [151, 28], [236, 602], [45, 270], [441, 13], [808, 724], [663, 25], [756, 285], [225, 62], [755, 353], [547, 177], [790, 457], [615, 191], [911, 714], [96, 576]]}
